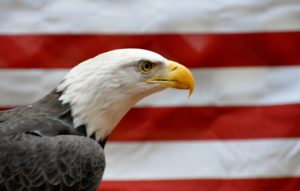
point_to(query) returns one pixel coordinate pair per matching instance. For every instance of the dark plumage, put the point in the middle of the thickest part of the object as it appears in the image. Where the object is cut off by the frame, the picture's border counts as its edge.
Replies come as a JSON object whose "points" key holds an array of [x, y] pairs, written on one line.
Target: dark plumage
{"points": [[41, 150]]}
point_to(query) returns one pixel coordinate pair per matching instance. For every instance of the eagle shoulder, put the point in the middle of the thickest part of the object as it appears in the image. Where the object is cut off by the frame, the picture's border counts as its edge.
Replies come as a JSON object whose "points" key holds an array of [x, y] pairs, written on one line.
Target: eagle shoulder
{"points": [[50, 163]]}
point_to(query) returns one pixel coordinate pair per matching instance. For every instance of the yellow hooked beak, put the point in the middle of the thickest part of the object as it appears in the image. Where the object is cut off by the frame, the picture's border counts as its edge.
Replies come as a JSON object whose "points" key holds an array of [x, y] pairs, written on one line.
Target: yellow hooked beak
{"points": [[176, 76]]}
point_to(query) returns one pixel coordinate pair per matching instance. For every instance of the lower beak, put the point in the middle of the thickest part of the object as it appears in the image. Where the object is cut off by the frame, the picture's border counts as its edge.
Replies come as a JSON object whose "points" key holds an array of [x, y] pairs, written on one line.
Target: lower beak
{"points": [[177, 76]]}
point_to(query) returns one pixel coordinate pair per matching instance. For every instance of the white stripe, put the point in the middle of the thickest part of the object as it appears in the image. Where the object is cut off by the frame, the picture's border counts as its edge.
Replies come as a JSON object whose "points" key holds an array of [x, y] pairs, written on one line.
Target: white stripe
{"points": [[22, 87], [212, 159], [235, 86], [148, 16], [218, 86]]}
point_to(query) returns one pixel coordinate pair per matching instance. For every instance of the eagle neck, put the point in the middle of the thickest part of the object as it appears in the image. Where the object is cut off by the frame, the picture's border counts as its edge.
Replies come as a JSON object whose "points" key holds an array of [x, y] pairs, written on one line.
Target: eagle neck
{"points": [[99, 107], [100, 115]]}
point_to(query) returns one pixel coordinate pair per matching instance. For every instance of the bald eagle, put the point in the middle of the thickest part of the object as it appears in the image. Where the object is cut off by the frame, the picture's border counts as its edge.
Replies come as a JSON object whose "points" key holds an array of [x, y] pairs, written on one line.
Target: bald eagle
{"points": [[57, 143]]}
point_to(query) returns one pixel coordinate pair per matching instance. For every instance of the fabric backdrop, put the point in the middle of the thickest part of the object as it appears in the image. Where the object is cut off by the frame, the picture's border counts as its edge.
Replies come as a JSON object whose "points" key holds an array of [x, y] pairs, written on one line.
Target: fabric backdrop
{"points": [[238, 132]]}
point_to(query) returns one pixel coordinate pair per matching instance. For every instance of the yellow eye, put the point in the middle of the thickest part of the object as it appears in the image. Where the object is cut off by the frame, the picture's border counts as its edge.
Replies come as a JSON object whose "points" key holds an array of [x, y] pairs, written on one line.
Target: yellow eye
{"points": [[145, 66]]}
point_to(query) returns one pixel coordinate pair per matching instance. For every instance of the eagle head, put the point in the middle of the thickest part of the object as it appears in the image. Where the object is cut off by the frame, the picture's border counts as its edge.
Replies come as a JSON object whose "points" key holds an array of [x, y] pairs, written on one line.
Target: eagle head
{"points": [[102, 89]]}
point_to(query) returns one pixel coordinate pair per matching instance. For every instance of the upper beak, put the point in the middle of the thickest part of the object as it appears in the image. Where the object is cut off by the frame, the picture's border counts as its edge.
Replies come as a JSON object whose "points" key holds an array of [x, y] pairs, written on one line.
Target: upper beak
{"points": [[176, 76]]}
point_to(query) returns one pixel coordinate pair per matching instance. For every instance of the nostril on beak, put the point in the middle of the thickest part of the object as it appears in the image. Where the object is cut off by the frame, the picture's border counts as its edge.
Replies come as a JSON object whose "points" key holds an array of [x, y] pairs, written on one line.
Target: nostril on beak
{"points": [[174, 68]]}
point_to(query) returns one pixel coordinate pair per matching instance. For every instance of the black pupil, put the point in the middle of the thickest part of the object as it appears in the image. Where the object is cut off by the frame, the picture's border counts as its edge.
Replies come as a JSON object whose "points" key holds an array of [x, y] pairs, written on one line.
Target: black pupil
{"points": [[147, 65]]}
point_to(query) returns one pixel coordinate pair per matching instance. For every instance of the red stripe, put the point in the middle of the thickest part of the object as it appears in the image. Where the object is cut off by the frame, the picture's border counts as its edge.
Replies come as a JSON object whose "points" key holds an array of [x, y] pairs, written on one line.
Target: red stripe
{"points": [[209, 123], [192, 50], [4, 108], [262, 184]]}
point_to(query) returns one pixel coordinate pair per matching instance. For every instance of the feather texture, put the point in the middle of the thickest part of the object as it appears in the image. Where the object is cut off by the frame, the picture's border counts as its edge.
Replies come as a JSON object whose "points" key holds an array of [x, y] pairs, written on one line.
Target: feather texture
{"points": [[41, 150]]}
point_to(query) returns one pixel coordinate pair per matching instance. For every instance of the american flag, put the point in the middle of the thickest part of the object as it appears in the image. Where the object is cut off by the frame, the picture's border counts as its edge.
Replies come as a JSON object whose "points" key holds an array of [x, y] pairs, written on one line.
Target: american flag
{"points": [[238, 132]]}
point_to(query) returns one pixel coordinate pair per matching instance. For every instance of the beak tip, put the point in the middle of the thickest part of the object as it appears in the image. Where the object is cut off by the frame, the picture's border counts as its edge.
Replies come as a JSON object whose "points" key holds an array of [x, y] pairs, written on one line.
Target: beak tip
{"points": [[182, 75], [191, 90]]}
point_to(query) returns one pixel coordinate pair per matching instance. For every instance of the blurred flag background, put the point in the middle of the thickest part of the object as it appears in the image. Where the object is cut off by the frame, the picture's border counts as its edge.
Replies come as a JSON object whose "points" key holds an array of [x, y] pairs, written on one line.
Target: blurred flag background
{"points": [[239, 131]]}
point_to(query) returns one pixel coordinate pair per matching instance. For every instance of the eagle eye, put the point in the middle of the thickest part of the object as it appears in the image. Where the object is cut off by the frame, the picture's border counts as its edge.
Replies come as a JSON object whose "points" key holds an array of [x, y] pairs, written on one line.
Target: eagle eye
{"points": [[145, 66]]}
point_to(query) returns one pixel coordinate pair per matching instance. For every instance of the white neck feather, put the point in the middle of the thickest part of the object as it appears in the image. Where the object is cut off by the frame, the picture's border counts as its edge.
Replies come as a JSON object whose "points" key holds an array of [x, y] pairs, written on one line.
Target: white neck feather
{"points": [[99, 100]]}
